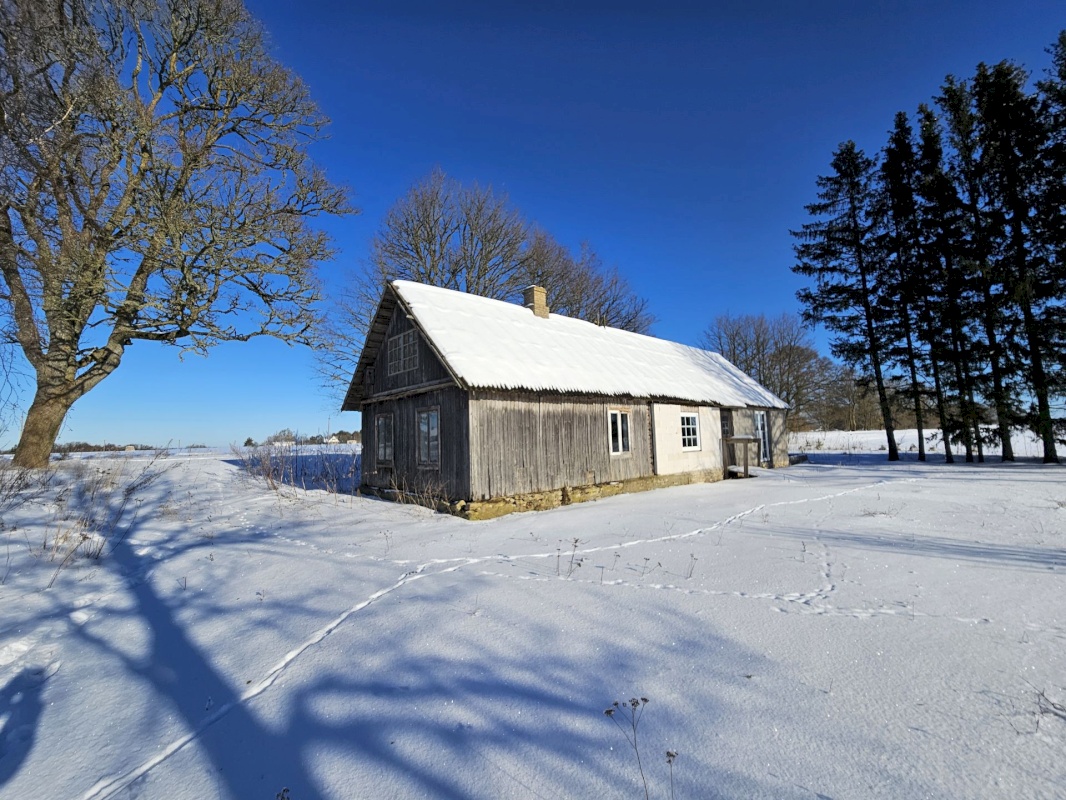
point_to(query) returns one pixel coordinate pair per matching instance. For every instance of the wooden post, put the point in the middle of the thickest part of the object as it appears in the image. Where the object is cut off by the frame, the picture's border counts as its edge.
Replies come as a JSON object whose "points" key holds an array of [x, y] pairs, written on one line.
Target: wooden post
{"points": [[744, 442]]}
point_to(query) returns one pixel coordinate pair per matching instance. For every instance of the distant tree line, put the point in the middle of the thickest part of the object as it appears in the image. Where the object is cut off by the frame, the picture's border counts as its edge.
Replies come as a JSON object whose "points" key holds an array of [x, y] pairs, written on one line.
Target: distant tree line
{"points": [[939, 265], [64, 448], [287, 436]]}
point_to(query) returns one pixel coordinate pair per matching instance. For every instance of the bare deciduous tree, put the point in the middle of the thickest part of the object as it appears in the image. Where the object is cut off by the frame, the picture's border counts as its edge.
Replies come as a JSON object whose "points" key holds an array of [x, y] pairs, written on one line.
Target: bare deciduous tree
{"points": [[155, 186], [469, 238], [779, 353], [583, 287], [843, 402]]}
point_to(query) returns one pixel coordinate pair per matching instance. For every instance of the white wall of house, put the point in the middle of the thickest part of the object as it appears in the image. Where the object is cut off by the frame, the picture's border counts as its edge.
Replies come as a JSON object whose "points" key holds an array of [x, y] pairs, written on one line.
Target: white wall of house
{"points": [[671, 457]]}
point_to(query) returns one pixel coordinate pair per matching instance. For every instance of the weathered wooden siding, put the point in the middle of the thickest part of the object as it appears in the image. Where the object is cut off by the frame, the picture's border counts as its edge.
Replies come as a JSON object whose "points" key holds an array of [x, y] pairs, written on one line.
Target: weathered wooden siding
{"points": [[522, 443], [452, 479], [429, 371], [744, 425]]}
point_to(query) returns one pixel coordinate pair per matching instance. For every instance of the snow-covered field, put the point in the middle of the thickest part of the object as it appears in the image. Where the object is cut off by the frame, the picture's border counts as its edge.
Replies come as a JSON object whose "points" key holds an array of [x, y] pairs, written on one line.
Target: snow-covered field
{"points": [[844, 628]]}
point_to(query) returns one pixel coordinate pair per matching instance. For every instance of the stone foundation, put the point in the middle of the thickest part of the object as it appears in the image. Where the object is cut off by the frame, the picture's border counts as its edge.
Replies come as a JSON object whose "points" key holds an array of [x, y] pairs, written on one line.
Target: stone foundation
{"points": [[542, 501]]}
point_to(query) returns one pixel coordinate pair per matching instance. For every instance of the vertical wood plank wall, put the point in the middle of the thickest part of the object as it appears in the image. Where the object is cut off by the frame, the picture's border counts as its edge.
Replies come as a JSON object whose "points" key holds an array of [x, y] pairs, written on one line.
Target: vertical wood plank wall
{"points": [[452, 478], [429, 367], [523, 443]]}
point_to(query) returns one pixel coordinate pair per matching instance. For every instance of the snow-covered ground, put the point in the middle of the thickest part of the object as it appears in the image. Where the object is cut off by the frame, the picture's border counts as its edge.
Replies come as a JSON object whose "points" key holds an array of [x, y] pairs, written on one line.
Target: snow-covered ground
{"points": [[1025, 443], [844, 628]]}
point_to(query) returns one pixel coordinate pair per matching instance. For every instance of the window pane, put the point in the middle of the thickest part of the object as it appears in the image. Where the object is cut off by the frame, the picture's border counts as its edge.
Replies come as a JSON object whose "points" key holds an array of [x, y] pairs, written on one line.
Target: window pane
{"points": [[614, 432], [403, 352], [429, 437], [763, 433], [625, 431], [690, 431], [383, 434]]}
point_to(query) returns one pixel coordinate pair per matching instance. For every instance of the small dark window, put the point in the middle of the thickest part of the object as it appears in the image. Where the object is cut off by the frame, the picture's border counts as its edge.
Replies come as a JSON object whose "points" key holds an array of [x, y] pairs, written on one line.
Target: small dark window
{"points": [[727, 424], [429, 437], [619, 424], [403, 352], [383, 437], [690, 432]]}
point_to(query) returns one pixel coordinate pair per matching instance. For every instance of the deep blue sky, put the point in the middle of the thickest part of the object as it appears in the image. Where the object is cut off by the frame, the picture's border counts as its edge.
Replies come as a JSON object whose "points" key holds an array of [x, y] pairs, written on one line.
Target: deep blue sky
{"points": [[682, 141]]}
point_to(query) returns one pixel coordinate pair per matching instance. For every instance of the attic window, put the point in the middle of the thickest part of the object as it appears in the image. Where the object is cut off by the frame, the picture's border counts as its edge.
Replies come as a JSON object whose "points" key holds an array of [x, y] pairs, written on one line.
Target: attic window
{"points": [[403, 352], [619, 429]]}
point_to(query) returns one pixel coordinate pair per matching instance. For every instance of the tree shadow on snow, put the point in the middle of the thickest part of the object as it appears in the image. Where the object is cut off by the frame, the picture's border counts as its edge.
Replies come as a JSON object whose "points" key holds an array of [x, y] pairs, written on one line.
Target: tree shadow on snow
{"points": [[20, 709], [514, 709]]}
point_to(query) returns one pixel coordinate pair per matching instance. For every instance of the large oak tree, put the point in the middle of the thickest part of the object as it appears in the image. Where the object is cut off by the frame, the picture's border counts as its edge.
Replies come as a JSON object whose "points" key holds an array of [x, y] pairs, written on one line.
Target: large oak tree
{"points": [[154, 186]]}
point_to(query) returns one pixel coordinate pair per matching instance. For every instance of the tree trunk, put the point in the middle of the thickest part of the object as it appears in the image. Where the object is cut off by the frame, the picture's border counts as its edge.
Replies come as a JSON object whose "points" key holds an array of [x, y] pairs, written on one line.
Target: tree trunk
{"points": [[941, 408], [912, 366], [1045, 426], [995, 364], [43, 421]]}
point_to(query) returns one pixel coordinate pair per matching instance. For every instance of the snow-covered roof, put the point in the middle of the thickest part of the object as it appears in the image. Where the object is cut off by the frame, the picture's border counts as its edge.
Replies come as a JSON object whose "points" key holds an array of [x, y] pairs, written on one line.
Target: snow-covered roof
{"points": [[491, 344]]}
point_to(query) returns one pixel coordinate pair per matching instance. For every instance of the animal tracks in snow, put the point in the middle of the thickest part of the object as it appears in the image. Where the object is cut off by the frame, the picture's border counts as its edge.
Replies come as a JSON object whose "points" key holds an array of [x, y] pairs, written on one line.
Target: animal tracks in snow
{"points": [[815, 600]]}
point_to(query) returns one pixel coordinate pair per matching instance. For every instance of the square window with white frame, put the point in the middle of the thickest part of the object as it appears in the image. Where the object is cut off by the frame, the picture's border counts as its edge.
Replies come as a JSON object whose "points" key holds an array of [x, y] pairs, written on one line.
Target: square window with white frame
{"points": [[690, 432], [619, 431]]}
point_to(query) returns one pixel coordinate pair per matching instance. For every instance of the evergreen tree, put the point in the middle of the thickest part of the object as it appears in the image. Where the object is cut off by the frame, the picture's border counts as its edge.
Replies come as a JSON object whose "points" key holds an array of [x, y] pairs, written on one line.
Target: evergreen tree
{"points": [[946, 312], [975, 251], [1014, 140], [903, 285], [1051, 215], [840, 252]]}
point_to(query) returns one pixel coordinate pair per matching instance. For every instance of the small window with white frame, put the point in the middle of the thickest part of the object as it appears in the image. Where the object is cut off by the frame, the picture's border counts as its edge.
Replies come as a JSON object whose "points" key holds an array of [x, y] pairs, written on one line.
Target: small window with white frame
{"points": [[403, 352], [428, 436], [619, 431], [383, 438], [690, 431]]}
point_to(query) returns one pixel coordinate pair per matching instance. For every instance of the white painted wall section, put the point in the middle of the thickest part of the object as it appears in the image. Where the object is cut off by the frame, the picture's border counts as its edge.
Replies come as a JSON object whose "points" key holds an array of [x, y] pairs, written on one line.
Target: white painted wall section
{"points": [[670, 457]]}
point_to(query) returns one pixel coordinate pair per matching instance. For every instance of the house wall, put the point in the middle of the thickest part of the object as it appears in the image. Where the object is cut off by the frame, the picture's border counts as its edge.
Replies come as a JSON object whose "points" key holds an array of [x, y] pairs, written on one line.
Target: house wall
{"points": [[451, 478], [670, 458], [522, 443], [744, 425], [779, 435]]}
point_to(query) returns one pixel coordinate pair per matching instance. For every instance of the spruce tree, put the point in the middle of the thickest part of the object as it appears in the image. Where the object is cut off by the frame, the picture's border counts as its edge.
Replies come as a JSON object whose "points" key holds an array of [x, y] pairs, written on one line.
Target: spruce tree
{"points": [[839, 250], [947, 313], [903, 286], [1014, 140], [975, 251], [1051, 216]]}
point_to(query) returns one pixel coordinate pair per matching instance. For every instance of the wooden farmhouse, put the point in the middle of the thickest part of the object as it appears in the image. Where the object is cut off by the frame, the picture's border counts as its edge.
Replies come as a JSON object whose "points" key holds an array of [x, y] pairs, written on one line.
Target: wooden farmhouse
{"points": [[490, 407]]}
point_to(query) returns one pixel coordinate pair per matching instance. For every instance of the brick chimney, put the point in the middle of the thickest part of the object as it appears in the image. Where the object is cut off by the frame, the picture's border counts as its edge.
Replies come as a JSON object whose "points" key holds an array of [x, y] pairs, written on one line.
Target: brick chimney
{"points": [[535, 298]]}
